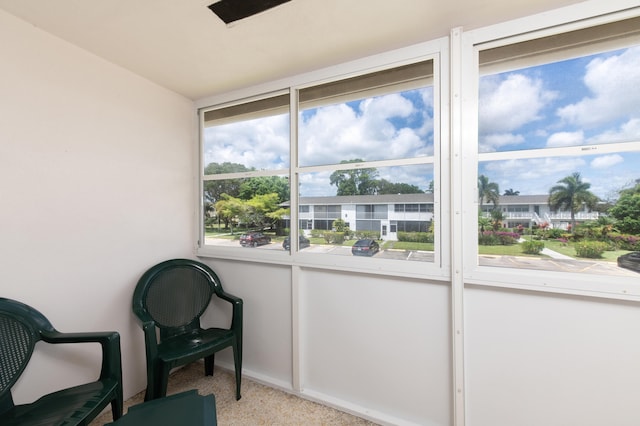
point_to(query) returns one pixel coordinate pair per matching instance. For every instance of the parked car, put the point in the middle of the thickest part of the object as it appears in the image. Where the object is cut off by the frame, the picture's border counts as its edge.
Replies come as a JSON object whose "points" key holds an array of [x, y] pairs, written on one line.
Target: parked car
{"points": [[302, 242], [365, 247], [630, 261], [254, 239]]}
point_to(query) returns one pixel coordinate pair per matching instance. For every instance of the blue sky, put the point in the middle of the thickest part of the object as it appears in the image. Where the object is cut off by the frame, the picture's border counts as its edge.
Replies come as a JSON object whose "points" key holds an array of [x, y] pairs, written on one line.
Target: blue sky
{"points": [[583, 101]]}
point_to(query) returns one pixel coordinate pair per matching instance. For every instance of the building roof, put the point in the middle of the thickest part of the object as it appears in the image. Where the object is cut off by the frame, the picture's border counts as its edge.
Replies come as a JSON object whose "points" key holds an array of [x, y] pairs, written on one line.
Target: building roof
{"points": [[410, 198]]}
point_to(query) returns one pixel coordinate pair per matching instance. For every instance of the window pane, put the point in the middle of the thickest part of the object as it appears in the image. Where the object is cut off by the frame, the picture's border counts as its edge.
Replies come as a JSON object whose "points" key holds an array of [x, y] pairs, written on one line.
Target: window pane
{"points": [[583, 101], [244, 137], [334, 223], [388, 115], [572, 207], [234, 208]]}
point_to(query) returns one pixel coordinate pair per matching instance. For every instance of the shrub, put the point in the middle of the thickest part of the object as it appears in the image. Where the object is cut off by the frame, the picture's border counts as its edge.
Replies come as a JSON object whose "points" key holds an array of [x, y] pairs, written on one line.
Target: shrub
{"points": [[283, 231], [554, 233], [625, 241], [416, 237], [334, 237], [496, 238], [532, 247], [590, 249], [508, 238], [316, 233], [374, 235], [488, 238]]}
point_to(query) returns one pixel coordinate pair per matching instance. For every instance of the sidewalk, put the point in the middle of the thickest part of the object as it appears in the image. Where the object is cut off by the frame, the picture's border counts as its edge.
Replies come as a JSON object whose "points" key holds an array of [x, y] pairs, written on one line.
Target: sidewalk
{"points": [[554, 254]]}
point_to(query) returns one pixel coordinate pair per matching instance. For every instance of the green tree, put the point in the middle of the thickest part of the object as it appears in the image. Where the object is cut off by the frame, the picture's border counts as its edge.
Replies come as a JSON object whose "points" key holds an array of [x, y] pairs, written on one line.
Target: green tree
{"points": [[484, 223], [260, 209], [627, 210], [214, 188], [263, 185], [487, 190], [496, 219], [571, 194], [510, 191], [355, 181], [430, 189], [340, 225], [230, 209], [386, 187]]}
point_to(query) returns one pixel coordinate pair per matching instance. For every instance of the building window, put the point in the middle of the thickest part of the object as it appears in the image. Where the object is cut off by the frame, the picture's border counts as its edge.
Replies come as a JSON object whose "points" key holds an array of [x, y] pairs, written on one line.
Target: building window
{"points": [[559, 126], [372, 211]]}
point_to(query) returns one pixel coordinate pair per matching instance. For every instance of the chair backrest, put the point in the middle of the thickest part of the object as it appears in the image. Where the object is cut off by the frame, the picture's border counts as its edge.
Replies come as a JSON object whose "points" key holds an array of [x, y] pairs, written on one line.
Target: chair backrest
{"points": [[174, 294], [20, 327]]}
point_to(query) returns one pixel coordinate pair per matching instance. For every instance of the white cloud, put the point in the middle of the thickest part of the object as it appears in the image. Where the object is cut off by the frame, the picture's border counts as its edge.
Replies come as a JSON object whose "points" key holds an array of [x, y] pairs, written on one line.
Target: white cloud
{"points": [[532, 176], [508, 103], [338, 132], [261, 143], [613, 83], [561, 139], [629, 131], [606, 161], [492, 142]]}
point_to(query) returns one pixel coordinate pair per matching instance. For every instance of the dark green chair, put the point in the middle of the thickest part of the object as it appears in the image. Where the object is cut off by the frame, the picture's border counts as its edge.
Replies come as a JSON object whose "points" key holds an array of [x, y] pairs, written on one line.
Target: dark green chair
{"points": [[169, 300], [21, 327]]}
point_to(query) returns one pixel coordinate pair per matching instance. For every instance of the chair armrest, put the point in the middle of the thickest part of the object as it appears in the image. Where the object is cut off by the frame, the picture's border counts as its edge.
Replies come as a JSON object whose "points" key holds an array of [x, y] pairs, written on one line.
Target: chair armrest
{"points": [[237, 304], [229, 297], [109, 342]]}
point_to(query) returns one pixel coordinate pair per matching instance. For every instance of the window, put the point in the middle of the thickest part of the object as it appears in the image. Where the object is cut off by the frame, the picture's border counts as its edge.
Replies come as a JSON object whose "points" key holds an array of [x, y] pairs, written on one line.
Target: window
{"points": [[364, 144], [245, 151], [368, 142], [558, 149]]}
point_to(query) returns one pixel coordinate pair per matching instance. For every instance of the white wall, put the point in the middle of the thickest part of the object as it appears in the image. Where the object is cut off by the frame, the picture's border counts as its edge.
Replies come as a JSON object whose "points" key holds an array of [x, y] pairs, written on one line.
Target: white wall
{"points": [[376, 346], [541, 359], [97, 168]]}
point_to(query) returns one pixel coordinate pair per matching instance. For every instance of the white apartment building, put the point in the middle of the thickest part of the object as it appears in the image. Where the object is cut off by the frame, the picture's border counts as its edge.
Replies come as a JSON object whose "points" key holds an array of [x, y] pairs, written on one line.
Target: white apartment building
{"points": [[393, 213]]}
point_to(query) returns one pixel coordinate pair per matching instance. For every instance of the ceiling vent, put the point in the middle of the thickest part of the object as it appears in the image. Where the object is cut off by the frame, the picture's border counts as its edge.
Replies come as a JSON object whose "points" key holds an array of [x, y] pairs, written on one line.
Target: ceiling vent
{"points": [[234, 10]]}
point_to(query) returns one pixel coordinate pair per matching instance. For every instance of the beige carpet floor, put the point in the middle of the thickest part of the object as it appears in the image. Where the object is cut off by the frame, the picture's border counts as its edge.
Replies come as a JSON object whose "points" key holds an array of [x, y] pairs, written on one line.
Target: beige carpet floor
{"points": [[259, 405]]}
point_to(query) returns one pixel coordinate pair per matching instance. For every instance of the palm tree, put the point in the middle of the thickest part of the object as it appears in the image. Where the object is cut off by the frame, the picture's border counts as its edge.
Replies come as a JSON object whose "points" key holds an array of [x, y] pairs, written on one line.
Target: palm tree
{"points": [[510, 191], [487, 190], [571, 194], [496, 219]]}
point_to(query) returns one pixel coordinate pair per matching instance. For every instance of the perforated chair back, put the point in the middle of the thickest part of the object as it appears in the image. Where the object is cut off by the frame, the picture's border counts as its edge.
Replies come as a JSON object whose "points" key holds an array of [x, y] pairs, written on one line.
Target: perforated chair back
{"points": [[19, 336], [176, 296]]}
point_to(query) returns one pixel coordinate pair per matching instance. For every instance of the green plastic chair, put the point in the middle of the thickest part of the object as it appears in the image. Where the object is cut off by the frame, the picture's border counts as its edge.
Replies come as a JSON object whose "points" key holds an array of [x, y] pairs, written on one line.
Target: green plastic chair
{"points": [[21, 327], [171, 297]]}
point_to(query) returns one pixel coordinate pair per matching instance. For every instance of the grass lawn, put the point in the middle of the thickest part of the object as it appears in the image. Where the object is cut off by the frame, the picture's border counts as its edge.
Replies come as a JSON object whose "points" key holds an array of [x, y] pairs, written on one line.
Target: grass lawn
{"points": [[512, 250], [563, 248], [406, 245], [568, 250]]}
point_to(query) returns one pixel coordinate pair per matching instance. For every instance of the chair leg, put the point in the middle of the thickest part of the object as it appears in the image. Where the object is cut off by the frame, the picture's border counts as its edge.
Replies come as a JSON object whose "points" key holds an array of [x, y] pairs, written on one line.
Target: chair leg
{"points": [[116, 408], [237, 360], [163, 382], [153, 372], [150, 393], [208, 364]]}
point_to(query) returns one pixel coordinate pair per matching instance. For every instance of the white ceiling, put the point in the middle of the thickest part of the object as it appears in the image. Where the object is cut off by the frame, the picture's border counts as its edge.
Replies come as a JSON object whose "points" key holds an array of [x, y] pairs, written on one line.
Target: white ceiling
{"points": [[183, 46]]}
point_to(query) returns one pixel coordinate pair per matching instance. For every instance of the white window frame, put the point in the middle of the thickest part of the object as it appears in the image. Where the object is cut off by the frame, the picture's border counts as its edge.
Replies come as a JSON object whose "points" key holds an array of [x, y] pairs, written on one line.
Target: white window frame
{"points": [[437, 51], [560, 21]]}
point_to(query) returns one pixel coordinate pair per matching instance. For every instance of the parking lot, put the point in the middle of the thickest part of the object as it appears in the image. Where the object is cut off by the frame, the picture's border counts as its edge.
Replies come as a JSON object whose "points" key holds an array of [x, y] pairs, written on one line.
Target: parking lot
{"points": [[547, 264]]}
